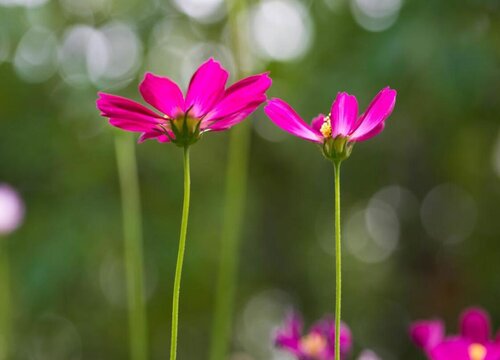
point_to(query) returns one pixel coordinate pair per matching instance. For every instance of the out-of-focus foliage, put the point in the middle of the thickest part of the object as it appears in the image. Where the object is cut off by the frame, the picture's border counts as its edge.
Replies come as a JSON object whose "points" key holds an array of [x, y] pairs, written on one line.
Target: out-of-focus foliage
{"points": [[420, 202]]}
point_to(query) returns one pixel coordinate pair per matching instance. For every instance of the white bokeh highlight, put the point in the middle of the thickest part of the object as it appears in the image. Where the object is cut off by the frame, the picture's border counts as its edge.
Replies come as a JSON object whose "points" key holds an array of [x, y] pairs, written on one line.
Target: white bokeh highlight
{"points": [[262, 316], [280, 30], [204, 11], [376, 15], [24, 3], [36, 58], [372, 234], [108, 57], [368, 355], [11, 209], [449, 213]]}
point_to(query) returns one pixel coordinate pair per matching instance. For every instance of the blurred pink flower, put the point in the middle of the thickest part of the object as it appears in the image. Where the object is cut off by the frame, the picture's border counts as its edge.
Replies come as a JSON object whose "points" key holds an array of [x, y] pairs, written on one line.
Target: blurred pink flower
{"points": [[318, 344], [473, 343], [11, 209], [341, 127], [207, 106]]}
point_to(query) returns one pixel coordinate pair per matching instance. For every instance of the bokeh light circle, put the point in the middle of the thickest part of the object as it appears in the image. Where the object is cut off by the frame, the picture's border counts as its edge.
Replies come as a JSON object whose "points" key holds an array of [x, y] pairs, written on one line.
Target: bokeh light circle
{"points": [[25, 3], [402, 200], [368, 355], [280, 30], [376, 15], [11, 209], [449, 213], [262, 315], [120, 55], [205, 11], [107, 57], [35, 59], [77, 40], [372, 234]]}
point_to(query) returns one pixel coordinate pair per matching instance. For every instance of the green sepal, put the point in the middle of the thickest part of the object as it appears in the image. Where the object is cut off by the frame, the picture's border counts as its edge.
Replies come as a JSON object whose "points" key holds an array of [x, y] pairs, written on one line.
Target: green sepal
{"points": [[186, 130], [337, 149]]}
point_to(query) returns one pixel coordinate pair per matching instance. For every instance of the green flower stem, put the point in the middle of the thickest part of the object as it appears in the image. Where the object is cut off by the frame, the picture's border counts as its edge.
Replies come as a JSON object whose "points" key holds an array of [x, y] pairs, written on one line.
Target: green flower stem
{"points": [[5, 301], [338, 259], [235, 198], [180, 255], [132, 232]]}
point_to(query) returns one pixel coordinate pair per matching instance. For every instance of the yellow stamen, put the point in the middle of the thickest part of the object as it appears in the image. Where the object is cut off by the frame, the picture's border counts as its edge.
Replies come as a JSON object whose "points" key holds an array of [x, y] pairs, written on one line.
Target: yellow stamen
{"points": [[313, 345], [326, 128], [477, 352]]}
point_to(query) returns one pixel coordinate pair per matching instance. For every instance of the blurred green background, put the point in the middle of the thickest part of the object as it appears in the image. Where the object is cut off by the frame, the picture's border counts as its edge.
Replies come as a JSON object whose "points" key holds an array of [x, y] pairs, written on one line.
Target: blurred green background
{"points": [[420, 202]]}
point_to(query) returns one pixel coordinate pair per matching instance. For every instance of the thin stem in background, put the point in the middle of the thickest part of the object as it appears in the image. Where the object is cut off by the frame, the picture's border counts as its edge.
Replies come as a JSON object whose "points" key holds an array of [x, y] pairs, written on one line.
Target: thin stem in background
{"points": [[180, 255], [5, 301], [132, 232], [338, 260], [235, 199]]}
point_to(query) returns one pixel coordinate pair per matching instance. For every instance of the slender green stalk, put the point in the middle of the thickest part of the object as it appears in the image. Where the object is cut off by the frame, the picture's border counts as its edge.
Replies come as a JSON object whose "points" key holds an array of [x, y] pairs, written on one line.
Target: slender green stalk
{"points": [[235, 196], [132, 232], [338, 260], [5, 301], [180, 255]]}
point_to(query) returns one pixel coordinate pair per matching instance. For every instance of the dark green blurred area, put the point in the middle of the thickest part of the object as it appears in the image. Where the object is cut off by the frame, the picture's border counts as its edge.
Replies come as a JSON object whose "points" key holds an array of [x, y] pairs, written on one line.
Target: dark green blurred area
{"points": [[431, 252]]}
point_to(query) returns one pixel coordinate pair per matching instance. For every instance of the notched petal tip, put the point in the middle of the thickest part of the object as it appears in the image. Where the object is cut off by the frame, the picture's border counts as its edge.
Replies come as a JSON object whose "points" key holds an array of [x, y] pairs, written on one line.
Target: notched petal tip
{"points": [[206, 88], [377, 112], [426, 334], [475, 324], [163, 94]]}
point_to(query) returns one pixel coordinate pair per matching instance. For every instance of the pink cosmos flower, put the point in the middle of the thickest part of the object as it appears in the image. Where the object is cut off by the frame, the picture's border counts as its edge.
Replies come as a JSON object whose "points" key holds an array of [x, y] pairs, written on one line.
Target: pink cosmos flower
{"points": [[318, 344], [11, 209], [342, 127], [207, 106], [473, 342]]}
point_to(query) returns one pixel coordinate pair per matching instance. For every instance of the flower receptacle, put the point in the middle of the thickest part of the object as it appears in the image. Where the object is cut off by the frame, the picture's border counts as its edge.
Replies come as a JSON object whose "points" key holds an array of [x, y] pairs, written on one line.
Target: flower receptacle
{"points": [[337, 149], [186, 130]]}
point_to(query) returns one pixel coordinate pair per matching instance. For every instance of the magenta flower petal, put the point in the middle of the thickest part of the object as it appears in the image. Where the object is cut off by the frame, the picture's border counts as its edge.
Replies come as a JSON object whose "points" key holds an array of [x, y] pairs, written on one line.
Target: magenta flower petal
{"points": [[475, 325], [206, 88], [127, 114], [286, 118], [454, 349], [152, 134], [131, 125], [344, 113], [163, 94], [288, 337], [427, 334], [378, 111], [317, 122], [239, 97], [374, 132], [327, 328], [231, 120]]}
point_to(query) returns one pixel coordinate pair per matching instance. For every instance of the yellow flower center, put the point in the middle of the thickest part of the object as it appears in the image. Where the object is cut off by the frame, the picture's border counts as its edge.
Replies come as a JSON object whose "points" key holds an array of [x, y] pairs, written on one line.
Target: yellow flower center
{"points": [[477, 352], [326, 128], [313, 345]]}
